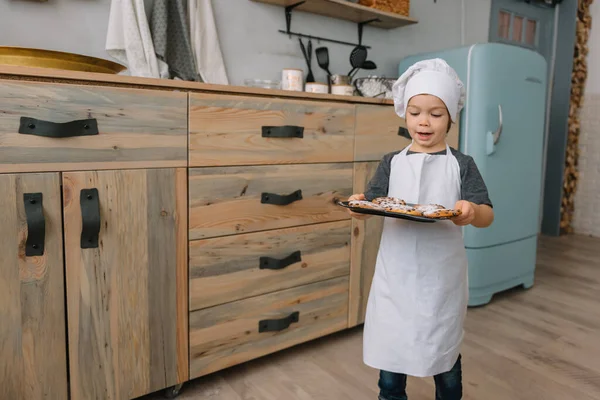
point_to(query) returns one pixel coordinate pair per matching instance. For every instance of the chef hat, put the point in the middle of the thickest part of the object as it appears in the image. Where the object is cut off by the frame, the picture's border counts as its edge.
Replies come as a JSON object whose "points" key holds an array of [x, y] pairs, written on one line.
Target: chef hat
{"points": [[433, 77]]}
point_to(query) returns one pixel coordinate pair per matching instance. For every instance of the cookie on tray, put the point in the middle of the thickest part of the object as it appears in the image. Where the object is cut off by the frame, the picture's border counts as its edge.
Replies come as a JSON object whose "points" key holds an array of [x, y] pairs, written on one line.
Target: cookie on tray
{"points": [[442, 213], [403, 209], [389, 201], [364, 204]]}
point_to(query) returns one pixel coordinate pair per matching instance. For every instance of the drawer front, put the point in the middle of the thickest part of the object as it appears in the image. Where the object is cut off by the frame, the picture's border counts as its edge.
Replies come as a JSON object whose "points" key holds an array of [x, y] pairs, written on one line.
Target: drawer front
{"points": [[234, 333], [378, 132], [228, 130], [235, 267], [135, 128], [231, 200]]}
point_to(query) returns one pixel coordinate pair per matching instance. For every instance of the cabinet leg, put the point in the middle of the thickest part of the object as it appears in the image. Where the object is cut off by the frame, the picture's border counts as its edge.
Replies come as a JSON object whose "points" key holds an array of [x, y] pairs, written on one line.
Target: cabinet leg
{"points": [[173, 391]]}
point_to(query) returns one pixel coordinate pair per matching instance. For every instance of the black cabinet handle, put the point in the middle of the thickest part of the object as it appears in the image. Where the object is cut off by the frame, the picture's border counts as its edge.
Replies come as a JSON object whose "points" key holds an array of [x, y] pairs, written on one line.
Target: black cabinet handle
{"points": [[272, 325], [402, 131], [280, 200], [32, 126], [274, 263], [36, 224], [286, 131], [90, 218]]}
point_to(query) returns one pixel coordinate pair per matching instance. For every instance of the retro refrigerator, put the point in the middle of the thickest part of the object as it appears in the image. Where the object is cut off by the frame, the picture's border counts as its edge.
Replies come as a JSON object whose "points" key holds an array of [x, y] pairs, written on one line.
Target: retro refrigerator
{"points": [[502, 128]]}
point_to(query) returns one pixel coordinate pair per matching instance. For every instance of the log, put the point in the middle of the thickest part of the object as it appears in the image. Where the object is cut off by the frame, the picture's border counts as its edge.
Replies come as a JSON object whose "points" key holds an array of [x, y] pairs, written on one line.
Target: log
{"points": [[578, 80]]}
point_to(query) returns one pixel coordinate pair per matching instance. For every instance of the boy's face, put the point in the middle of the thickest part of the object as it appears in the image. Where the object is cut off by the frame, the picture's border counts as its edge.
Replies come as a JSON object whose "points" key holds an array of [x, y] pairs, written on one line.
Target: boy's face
{"points": [[427, 121]]}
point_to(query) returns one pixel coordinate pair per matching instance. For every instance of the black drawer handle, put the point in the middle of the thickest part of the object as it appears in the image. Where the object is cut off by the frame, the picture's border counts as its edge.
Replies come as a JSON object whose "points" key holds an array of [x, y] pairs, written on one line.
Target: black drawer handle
{"points": [[286, 131], [274, 263], [36, 224], [32, 126], [402, 131], [90, 218], [272, 325], [280, 200]]}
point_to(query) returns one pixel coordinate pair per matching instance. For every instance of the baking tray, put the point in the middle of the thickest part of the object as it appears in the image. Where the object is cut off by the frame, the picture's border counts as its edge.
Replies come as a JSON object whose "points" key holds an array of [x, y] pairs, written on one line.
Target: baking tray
{"points": [[384, 213], [29, 57]]}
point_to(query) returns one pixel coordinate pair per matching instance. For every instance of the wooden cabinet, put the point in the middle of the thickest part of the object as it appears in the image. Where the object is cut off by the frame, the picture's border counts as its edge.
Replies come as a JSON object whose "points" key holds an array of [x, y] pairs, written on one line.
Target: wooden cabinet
{"points": [[155, 231], [235, 267], [269, 247], [234, 130], [126, 301], [53, 127], [231, 200], [232, 333], [33, 358], [365, 245], [125, 245]]}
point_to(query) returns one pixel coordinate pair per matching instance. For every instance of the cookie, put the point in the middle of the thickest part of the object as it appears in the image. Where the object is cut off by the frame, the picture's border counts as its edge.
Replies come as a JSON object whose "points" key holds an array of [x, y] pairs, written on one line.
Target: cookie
{"points": [[403, 209], [389, 200], [428, 209], [364, 204], [443, 213]]}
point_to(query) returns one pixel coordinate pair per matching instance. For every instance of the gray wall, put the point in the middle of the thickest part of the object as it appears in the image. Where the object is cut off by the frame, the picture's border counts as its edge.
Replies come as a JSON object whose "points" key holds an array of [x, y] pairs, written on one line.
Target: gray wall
{"points": [[256, 49]]}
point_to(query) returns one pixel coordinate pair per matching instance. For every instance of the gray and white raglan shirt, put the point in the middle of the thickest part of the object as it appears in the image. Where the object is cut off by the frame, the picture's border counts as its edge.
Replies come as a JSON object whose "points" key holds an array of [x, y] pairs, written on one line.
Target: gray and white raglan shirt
{"points": [[473, 187]]}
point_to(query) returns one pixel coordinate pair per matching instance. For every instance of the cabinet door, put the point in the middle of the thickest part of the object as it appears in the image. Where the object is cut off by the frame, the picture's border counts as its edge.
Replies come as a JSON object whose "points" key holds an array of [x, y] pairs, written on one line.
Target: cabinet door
{"points": [[126, 263], [365, 245], [33, 362]]}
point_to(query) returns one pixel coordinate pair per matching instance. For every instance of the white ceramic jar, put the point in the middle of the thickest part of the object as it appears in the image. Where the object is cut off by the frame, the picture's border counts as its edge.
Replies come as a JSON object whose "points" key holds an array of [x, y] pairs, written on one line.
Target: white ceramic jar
{"points": [[316, 87], [292, 79]]}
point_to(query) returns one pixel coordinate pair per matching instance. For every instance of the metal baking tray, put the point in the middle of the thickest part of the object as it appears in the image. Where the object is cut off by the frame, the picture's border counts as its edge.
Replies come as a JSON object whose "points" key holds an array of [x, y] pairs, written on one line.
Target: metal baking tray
{"points": [[384, 213]]}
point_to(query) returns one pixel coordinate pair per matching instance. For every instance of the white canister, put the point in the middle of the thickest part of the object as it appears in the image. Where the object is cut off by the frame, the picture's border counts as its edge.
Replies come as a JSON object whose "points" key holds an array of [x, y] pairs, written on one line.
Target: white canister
{"points": [[292, 79], [316, 87], [343, 90]]}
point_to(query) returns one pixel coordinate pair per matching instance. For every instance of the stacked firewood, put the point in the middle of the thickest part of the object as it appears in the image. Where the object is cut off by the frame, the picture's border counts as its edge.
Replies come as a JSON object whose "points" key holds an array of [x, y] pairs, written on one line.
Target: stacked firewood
{"points": [[578, 79], [401, 7]]}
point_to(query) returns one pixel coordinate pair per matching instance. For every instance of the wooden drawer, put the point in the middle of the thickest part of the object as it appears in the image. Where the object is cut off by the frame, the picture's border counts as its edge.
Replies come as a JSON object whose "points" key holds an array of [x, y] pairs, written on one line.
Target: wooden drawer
{"points": [[135, 128], [228, 130], [230, 200], [366, 235], [378, 132], [230, 334], [235, 267]]}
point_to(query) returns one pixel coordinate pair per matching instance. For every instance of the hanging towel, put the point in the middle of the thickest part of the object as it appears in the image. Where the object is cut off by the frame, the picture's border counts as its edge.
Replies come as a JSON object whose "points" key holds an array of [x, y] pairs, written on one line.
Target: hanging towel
{"points": [[128, 39], [205, 42], [171, 37]]}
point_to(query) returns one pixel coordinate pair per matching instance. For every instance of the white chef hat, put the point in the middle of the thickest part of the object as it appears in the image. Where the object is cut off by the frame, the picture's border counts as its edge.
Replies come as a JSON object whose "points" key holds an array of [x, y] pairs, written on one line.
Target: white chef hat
{"points": [[433, 77]]}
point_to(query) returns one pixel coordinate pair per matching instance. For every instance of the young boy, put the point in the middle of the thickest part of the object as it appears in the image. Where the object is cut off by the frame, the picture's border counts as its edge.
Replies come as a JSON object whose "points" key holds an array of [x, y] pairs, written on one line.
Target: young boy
{"points": [[418, 299]]}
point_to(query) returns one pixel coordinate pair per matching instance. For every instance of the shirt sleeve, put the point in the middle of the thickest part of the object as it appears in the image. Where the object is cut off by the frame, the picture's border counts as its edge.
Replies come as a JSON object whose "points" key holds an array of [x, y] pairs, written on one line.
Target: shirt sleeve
{"points": [[379, 184], [473, 186]]}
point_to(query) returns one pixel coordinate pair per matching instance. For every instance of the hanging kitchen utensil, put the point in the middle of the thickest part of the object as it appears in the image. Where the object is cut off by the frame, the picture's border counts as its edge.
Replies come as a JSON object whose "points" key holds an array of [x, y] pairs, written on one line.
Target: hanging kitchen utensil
{"points": [[307, 57], [369, 65], [323, 61], [357, 57]]}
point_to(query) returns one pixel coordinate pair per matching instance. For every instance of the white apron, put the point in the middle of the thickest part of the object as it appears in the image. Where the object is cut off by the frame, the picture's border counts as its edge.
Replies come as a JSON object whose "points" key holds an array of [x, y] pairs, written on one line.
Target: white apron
{"points": [[418, 298]]}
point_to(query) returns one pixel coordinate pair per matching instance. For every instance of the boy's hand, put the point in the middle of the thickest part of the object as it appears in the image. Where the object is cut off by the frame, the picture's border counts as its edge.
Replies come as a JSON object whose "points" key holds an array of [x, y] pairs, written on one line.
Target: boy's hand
{"points": [[360, 196], [468, 213]]}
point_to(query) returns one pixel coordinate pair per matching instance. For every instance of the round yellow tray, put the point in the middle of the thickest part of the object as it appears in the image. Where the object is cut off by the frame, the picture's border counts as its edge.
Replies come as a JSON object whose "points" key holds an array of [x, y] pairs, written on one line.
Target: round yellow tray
{"points": [[27, 57]]}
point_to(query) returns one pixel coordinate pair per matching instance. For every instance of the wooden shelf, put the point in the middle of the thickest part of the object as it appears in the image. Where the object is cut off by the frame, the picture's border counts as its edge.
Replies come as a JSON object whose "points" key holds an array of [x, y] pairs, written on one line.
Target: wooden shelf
{"points": [[342, 9]]}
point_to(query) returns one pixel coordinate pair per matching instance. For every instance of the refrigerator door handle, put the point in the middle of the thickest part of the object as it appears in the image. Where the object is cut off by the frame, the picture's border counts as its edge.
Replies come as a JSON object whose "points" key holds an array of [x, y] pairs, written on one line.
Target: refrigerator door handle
{"points": [[499, 130], [494, 137]]}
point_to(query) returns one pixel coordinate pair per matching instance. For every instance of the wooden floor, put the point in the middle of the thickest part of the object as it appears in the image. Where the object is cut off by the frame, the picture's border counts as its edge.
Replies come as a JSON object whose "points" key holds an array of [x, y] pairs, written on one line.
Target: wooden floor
{"points": [[536, 344]]}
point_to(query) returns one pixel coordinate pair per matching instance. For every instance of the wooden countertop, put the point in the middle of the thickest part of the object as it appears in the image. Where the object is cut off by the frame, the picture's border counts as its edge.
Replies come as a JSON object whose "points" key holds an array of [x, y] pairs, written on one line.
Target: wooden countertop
{"points": [[77, 77]]}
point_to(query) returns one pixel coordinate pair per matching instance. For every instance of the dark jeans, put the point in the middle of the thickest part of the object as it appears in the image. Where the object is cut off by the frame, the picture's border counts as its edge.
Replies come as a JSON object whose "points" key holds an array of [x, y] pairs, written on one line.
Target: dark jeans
{"points": [[448, 385]]}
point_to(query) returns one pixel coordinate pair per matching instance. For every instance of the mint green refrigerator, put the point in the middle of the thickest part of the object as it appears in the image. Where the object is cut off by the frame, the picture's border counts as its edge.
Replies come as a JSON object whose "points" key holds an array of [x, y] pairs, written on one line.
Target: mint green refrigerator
{"points": [[502, 128]]}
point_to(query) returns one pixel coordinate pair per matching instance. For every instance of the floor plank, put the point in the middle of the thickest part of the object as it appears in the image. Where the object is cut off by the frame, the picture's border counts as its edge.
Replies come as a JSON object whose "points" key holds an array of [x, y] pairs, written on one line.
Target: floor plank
{"points": [[540, 343]]}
